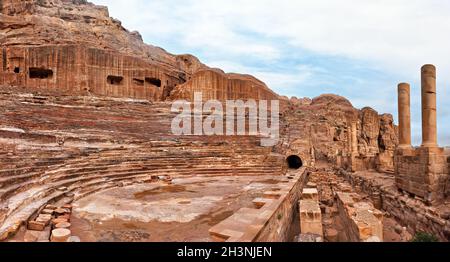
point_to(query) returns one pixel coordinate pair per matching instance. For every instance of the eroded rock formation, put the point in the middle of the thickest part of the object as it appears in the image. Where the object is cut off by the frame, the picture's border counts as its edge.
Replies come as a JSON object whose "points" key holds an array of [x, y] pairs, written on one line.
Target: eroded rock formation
{"points": [[329, 128], [65, 58], [76, 46]]}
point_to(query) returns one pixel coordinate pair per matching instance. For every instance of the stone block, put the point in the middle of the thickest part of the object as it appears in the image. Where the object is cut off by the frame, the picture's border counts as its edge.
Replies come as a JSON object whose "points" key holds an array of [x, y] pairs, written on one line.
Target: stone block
{"points": [[311, 185], [44, 218], [310, 194], [48, 211], [59, 220], [62, 211], [310, 217], [60, 235], [36, 226]]}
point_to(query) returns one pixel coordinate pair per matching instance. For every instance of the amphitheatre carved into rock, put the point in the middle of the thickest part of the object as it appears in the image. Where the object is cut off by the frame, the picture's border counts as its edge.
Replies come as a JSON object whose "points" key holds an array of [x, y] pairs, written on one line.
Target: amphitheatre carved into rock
{"points": [[86, 152]]}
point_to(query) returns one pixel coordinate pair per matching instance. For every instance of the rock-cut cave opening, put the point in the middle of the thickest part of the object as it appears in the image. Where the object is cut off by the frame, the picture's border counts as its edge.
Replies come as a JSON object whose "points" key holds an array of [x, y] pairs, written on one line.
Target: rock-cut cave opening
{"points": [[153, 81], [114, 80], [40, 73], [294, 162]]}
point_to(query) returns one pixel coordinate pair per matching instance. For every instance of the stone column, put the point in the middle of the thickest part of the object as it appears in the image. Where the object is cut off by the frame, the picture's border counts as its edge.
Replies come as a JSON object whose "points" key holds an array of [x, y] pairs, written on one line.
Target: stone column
{"points": [[429, 120], [404, 115], [349, 142], [354, 139]]}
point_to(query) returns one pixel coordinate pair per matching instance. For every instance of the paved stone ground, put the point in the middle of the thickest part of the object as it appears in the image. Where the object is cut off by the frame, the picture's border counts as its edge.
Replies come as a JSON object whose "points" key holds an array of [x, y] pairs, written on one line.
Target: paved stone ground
{"points": [[181, 211]]}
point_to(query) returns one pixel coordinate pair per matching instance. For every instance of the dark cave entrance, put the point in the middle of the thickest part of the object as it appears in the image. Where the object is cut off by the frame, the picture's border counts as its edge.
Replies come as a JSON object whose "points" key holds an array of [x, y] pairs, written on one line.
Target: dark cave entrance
{"points": [[153, 81], [40, 73], [138, 82], [294, 162], [114, 80]]}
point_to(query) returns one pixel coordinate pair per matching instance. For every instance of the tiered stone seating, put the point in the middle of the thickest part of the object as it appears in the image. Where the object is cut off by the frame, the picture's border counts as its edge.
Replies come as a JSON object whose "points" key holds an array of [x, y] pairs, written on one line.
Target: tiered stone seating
{"points": [[58, 146]]}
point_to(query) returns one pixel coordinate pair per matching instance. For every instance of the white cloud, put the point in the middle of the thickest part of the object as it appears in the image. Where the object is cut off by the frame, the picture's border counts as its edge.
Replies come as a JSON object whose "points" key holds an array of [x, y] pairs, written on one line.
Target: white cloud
{"points": [[397, 35], [256, 37], [281, 82], [193, 24]]}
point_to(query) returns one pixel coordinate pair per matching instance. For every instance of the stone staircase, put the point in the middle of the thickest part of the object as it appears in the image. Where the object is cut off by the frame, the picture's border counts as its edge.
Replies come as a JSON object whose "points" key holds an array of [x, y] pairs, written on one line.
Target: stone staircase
{"points": [[60, 146]]}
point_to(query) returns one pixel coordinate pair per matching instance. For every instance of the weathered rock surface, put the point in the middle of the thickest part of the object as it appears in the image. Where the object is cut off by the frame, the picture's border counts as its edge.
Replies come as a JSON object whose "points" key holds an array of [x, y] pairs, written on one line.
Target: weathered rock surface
{"points": [[65, 58], [105, 143], [75, 45], [321, 130]]}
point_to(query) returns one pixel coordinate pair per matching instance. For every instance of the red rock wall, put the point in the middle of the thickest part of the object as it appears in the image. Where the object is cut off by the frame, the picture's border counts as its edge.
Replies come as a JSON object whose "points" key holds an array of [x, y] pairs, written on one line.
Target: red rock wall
{"points": [[217, 85], [77, 69], [109, 50], [339, 133], [137, 76], [10, 7], [377, 140]]}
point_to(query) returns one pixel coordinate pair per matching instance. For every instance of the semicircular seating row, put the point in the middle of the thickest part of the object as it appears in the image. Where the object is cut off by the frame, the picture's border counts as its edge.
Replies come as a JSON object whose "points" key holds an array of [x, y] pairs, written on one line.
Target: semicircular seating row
{"points": [[89, 144]]}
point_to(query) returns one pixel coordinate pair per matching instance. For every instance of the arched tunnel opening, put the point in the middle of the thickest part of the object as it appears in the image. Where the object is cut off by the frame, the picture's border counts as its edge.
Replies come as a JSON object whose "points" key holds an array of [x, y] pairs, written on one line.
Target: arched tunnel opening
{"points": [[294, 162]]}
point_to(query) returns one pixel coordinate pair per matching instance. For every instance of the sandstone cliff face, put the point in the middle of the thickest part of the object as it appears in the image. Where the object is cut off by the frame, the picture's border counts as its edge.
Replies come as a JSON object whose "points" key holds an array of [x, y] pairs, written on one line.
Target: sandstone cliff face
{"points": [[69, 39], [215, 84], [79, 22], [325, 124], [11, 7], [75, 47]]}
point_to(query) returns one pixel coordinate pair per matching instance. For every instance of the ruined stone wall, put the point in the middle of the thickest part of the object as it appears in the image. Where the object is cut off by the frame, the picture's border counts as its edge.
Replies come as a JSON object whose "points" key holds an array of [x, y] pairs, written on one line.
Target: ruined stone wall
{"points": [[279, 227], [422, 172], [310, 213], [78, 69], [216, 85], [411, 212], [362, 222]]}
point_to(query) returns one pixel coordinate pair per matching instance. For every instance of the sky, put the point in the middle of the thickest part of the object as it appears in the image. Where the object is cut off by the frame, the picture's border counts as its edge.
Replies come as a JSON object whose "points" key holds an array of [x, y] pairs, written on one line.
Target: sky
{"points": [[358, 49]]}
